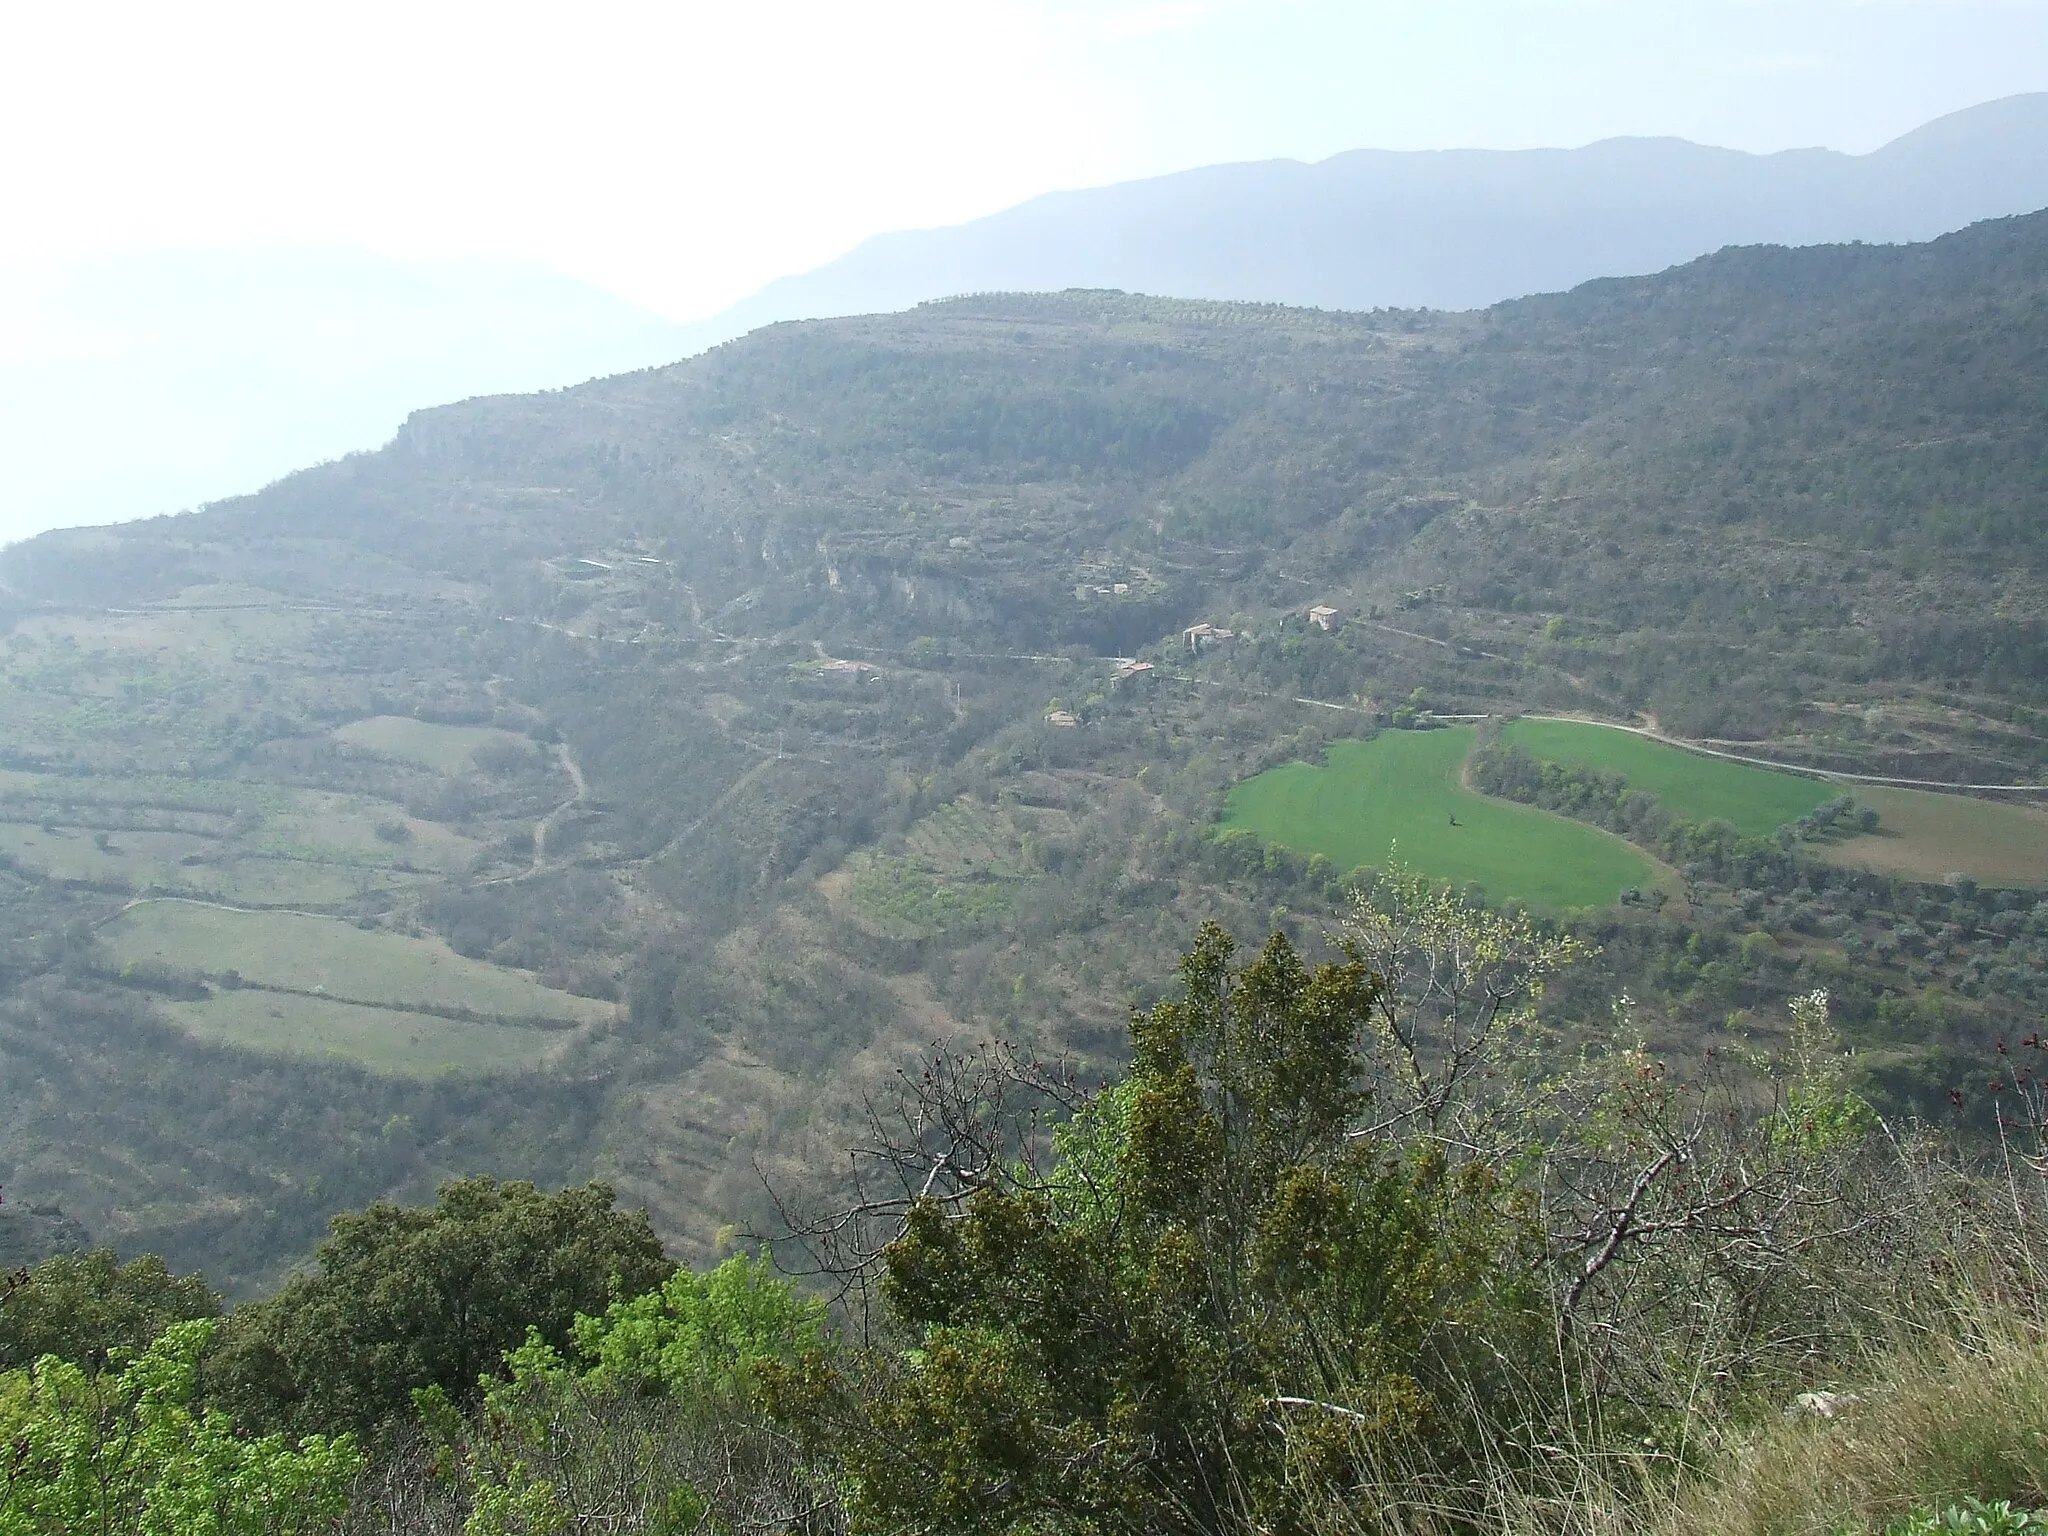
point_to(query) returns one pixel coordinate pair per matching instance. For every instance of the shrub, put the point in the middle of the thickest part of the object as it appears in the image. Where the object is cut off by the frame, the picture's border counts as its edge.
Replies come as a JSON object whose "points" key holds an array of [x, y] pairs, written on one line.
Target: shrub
{"points": [[410, 1297]]}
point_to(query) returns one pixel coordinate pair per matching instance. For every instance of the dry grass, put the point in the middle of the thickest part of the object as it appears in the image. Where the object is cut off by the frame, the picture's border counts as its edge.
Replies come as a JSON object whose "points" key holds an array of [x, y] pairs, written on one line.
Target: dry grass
{"points": [[1959, 1415], [1955, 1417], [1924, 836]]}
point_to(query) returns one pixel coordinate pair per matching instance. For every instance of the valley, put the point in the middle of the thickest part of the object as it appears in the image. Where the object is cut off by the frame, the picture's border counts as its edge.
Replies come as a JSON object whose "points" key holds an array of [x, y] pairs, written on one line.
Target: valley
{"points": [[630, 781]]}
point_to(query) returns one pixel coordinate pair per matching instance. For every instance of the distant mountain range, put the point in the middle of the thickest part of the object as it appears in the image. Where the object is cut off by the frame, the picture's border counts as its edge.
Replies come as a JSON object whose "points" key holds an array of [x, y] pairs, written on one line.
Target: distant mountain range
{"points": [[156, 382], [1449, 229]]}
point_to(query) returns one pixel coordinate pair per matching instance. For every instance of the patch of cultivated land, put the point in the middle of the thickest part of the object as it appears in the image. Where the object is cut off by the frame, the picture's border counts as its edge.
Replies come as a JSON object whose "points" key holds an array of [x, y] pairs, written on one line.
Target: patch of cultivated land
{"points": [[1396, 798], [243, 843], [1755, 801], [444, 748], [351, 829], [1921, 834], [961, 866], [36, 794], [136, 858], [1927, 836], [255, 881], [383, 1039], [323, 955]]}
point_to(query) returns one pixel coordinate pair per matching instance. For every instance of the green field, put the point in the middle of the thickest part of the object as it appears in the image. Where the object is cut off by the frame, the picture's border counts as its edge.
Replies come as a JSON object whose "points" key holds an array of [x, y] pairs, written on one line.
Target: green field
{"points": [[1394, 797], [219, 798], [317, 954], [1755, 801], [1928, 836], [444, 748], [384, 1039], [295, 848]]}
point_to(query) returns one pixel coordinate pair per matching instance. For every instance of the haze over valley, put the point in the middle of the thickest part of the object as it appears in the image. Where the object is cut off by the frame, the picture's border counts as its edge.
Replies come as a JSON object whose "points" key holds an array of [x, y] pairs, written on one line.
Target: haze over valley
{"points": [[154, 380]]}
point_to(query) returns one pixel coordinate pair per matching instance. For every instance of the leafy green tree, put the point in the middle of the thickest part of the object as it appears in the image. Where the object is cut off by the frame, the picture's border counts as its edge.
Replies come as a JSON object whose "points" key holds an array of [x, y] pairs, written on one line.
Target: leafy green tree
{"points": [[84, 1307], [652, 1424], [702, 1334], [1217, 1303], [406, 1297], [125, 1452]]}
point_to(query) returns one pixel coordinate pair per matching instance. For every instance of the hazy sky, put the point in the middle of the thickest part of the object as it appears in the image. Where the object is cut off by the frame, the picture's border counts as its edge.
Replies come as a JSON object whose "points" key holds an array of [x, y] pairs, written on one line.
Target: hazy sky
{"points": [[684, 153]]}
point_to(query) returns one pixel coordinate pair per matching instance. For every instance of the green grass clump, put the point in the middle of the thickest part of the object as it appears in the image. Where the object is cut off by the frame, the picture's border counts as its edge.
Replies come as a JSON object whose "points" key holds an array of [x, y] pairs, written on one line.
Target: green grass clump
{"points": [[1972, 1517], [1395, 797], [1755, 801], [1947, 1429]]}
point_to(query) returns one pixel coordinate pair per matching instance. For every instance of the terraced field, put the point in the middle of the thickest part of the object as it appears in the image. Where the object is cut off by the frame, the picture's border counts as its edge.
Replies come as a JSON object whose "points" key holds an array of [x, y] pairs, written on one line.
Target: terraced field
{"points": [[314, 986], [960, 867], [245, 844], [1398, 797], [324, 828], [392, 1040], [179, 757], [322, 955]]}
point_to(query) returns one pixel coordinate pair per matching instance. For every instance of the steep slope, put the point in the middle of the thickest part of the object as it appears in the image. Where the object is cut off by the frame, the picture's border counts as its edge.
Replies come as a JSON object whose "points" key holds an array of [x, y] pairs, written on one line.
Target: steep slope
{"points": [[725, 701]]}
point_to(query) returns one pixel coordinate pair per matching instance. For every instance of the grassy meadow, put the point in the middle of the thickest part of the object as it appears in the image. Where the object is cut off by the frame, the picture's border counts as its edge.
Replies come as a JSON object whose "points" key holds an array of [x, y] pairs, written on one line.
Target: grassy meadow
{"points": [[1399, 797], [323, 828], [134, 857], [1755, 801]]}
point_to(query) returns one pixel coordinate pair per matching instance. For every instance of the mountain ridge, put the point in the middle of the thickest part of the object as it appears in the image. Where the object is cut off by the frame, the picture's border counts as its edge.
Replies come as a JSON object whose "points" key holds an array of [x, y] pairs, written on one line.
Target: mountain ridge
{"points": [[116, 407], [1985, 161]]}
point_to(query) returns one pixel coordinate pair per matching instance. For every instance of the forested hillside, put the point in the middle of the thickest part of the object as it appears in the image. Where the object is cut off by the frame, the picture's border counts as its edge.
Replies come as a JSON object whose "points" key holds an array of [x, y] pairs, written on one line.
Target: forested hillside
{"points": [[625, 781]]}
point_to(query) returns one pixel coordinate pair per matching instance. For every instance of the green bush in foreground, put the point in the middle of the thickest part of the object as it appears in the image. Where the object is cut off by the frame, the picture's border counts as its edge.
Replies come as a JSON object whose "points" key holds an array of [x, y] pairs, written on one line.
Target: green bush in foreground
{"points": [[126, 1451], [652, 1424], [407, 1297], [1213, 1307]]}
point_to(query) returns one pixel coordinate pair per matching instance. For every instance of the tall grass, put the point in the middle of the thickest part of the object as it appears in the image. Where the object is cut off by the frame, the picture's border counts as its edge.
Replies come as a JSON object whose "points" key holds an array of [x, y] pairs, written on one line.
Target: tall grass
{"points": [[1954, 1417], [1937, 1396]]}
